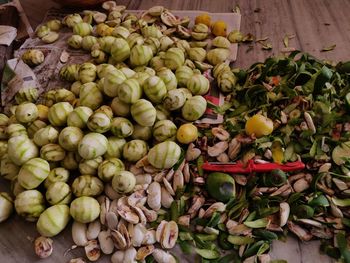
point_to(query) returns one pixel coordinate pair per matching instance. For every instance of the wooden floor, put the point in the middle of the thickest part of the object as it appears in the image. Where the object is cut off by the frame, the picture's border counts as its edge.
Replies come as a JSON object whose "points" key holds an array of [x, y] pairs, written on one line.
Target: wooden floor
{"points": [[314, 23]]}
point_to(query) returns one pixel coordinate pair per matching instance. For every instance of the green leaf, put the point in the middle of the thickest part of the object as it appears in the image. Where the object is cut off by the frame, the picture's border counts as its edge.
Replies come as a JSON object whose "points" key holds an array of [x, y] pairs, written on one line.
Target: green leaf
{"points": [[200, 162], [343, 247], [186, 247], [208, 254], [328, 48]]}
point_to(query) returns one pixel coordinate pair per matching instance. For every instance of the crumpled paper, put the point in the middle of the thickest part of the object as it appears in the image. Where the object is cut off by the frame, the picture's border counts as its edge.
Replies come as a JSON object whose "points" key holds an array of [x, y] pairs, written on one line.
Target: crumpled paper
{"points": [[7, 35]]}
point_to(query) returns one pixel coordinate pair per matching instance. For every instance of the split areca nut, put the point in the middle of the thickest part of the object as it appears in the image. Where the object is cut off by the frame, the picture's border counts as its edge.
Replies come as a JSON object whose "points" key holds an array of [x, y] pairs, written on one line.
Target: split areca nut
{"points": [[58, 193], [155, 89], [59, 112], [58, 174], [123, 182], [92, 145], [53, 220], [87, 185], [121, 127], [164, 130], [21, 149], [198, 84], [33, 57], [168, 77], [108, 168], [194, 108], [79, 117], [143, 112], [90, 95], [134, 150], [174, 58], [164, 155], [183, 74], [43, 247], [140, 55], [33, 173], [6, 206], [30, 204], [84, 209], [69, 138], [52, 152]]}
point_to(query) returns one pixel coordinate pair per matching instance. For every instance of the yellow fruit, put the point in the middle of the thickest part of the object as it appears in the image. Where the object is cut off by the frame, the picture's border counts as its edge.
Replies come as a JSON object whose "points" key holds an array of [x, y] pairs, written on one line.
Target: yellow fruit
{"points": [[43, 111], [203, 19], [187, 133], [219, 28], [277, 152], [259, 125]]}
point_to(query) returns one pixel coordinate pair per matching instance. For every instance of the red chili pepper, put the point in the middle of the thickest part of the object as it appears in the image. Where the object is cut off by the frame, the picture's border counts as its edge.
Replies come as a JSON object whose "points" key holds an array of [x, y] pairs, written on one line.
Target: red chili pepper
{"points": [[252, 166]]}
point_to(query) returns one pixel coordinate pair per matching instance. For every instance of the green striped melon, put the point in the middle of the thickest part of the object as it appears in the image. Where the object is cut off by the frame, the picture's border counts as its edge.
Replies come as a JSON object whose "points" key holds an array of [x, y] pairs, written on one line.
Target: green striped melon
{"points": [[140, 55], [194, 108], [155, 89], [53, 220], [33, 173], [21, 149], [174, 57], [59, 112], [92, 145], [143, 112], [79, 117], [120, 50], [164, 155], [198, 84], [90, 95], [129, 91]]}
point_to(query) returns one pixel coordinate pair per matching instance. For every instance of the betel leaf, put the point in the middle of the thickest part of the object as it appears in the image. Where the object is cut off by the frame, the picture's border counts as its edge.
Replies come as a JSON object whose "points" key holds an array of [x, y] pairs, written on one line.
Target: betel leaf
{"points": [[343, 247], [324, 76], [259, 223]]}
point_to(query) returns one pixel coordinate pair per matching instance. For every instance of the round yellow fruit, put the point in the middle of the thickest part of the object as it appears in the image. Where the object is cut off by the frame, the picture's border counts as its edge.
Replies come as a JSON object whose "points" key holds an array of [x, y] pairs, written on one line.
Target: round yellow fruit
{"points": [[219, 28], [203, 19], [259, 125], [187, 133]]}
